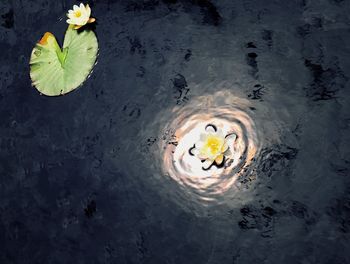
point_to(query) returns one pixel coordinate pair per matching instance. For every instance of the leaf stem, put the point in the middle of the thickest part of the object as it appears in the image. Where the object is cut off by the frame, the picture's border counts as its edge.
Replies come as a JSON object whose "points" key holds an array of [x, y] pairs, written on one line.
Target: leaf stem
{"points": [[62, 55]]}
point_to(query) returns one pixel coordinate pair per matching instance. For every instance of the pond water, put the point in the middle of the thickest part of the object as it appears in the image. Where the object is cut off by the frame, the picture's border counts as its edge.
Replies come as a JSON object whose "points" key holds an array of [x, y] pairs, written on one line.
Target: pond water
{"points": [[103, 175]]}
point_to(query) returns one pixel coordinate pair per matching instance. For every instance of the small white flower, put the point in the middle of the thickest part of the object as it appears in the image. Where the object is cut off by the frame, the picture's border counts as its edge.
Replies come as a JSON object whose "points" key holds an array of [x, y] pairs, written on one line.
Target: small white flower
{"points": [[79, 16], [212, 147]]}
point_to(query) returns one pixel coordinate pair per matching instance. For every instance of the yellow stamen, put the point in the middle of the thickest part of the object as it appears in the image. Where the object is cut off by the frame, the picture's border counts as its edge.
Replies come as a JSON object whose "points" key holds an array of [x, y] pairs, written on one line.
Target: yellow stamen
{"points": [[77, 13], [212, 146]]}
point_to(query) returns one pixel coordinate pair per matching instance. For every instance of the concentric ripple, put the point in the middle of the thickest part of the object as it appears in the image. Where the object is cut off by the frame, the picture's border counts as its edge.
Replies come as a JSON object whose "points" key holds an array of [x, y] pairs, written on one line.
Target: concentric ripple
{"points": [[222, 110]]}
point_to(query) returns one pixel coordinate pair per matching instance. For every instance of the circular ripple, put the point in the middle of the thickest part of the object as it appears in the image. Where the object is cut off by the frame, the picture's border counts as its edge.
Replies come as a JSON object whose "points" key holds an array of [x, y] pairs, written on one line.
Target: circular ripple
{"points": [[212, 185]]}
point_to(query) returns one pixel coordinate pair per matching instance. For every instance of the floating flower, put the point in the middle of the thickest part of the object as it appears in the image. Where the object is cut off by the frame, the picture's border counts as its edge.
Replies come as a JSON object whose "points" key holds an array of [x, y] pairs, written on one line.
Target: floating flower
{"points": [[212, 147], [80, 16]]}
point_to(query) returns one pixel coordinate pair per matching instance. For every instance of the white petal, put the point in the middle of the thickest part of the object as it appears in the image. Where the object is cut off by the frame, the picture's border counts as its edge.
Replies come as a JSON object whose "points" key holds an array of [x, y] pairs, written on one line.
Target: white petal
{"points": [[230, 140], [219, 133], [209, 128], [75, 8], [199, 144], [88, 10], [82, 7], [227, 153], [83, 11], [70, 15], [203, 137], [79, 22], [212, 157], [201, 156], [69, 21], [224, 147], [70, 11], [86, 19], [232, 136], [219, 159], [212, 134]]}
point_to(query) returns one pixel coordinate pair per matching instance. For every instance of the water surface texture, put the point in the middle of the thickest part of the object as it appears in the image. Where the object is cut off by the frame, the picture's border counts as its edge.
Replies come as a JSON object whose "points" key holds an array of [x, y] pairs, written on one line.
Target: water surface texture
{"points": [[90, 177]]}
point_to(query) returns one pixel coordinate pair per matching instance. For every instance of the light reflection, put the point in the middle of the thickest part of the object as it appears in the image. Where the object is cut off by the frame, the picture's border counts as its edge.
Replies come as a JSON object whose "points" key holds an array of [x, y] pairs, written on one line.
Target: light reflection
{"points": [[223, 111]]}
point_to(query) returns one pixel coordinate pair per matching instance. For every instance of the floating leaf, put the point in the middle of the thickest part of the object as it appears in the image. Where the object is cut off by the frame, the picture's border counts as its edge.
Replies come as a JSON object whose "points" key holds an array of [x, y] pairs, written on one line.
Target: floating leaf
{"points": [[55, 71]]}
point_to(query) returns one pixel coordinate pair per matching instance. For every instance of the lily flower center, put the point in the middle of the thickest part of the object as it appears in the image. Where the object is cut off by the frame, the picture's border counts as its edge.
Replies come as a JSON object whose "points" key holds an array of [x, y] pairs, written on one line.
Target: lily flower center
{"points": [[212, 145], [77, 13]]}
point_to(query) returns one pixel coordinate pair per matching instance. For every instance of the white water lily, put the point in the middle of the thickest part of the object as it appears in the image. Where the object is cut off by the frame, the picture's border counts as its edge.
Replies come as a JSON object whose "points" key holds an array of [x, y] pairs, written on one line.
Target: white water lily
{"points": [[212, 147], [80, 16]]}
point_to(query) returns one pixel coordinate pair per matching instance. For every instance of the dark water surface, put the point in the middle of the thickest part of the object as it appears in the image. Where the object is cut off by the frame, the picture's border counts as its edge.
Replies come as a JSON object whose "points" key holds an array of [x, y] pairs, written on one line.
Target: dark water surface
{"points": [[82, 177]]}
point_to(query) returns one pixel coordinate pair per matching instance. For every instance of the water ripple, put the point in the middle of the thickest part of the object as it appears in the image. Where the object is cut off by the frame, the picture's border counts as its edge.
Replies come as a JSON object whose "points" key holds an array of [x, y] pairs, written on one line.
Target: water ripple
{"points": [[232, 115]]}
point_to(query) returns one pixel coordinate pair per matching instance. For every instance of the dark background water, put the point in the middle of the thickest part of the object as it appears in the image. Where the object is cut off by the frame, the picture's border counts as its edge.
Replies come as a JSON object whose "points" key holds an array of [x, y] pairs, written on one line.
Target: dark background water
{"points": [[73, 184]]}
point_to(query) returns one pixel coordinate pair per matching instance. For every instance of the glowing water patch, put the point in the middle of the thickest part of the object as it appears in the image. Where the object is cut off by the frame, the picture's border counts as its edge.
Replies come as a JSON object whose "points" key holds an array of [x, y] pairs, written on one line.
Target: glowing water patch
{"points": [[210, 185]]}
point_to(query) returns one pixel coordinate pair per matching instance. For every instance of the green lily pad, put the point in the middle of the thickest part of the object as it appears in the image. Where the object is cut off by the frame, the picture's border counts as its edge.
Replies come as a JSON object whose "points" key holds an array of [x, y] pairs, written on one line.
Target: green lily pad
{"points": [[55, 71]]}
